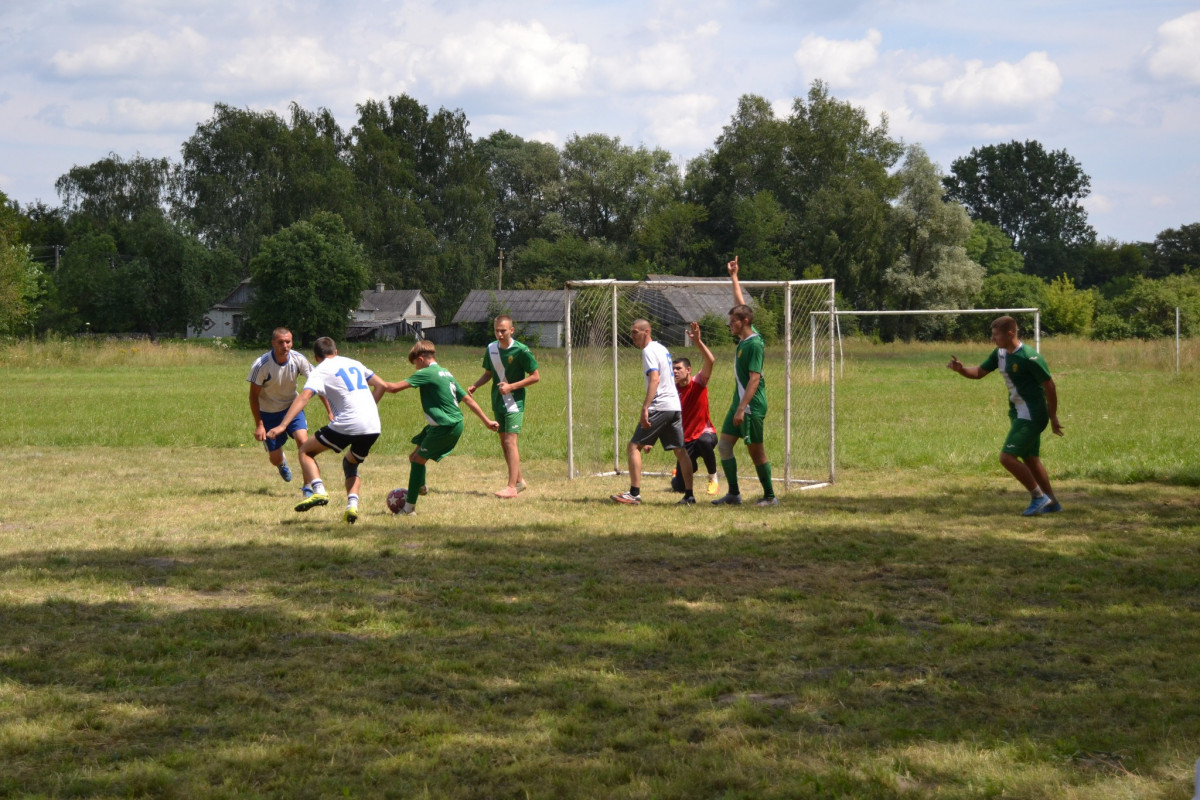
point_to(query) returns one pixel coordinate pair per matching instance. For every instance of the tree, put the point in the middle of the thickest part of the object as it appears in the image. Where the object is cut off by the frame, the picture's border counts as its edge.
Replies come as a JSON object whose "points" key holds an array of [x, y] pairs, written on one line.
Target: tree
{"points": [[990, 248], [113, 190], [932, 269], [20, 276], [526, 182], [1032, 195], [309, 277], [1067, 309], [1011, 290], [1177, 251]]}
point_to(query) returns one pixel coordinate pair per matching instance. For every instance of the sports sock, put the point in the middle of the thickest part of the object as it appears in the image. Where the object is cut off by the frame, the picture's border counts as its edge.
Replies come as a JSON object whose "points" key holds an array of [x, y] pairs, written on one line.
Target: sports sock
{"points": [[764, 477], [416, 479], [352, 501], [729, 466], [318, 486], [1036, 493], [636, 491]]}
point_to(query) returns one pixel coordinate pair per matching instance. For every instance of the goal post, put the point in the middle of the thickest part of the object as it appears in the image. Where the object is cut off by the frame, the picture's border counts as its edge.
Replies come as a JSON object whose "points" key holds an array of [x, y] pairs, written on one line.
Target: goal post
{"points": [[605, 386]]}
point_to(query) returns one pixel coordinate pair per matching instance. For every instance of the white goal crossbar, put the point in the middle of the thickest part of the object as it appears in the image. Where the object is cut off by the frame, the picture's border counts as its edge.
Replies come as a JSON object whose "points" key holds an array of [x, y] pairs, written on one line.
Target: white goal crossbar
{"points": [[607, 334]]}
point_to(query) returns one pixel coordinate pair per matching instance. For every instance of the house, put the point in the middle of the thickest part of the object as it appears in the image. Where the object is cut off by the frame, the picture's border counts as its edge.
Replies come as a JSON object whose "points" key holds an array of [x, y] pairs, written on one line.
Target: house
{"points": [[381, 314], [538, 314], [673, 307]]}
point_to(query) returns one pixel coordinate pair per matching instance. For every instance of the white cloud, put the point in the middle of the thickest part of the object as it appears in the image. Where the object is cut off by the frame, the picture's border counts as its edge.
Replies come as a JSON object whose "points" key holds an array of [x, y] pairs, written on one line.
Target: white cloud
{"points": [[1031, 81], [837, 62], [277, 62], [143, 52], [663, 66], [684, 122], [1098, 204], [126, 115], [1161, 201], [525, 59], [1176, 53]]}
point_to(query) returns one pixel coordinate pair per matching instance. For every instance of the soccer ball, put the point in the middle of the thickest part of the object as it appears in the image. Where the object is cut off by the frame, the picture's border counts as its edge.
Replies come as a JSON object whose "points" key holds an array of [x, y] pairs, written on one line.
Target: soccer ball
{"points": [[396, 499]]}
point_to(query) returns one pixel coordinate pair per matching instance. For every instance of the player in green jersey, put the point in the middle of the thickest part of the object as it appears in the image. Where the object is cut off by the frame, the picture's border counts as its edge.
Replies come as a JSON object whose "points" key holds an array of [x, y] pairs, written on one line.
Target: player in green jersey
{"points": [[747, 413], [1032, 403], [510, 366], [440, 396]]}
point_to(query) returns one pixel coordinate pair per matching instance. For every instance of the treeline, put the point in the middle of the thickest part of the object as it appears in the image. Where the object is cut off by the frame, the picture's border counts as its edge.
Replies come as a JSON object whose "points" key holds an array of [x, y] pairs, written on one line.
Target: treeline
{"points": [[409, 198]]}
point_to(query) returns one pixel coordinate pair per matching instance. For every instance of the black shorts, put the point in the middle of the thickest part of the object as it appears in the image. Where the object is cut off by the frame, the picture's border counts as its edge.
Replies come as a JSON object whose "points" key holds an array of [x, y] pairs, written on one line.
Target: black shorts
{"points": [[359, 443], [702, 447], [665, 426]]}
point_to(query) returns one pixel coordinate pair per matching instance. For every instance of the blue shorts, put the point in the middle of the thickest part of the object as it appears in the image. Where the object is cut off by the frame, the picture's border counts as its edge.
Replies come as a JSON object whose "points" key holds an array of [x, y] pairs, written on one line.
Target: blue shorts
{"points": [[272, 418]]}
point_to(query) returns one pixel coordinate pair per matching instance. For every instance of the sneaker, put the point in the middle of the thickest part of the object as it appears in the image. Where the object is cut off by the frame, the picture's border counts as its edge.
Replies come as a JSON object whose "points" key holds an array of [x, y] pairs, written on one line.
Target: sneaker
{"points": [[768, 501], [686, 501], [408, 510], [626, 498], [1053, 508], [1036, 506], [713, 484], [507, 493], [351, 515], [728, 500], [312, 501], [424, 490], [522, 486], [285, 472]]}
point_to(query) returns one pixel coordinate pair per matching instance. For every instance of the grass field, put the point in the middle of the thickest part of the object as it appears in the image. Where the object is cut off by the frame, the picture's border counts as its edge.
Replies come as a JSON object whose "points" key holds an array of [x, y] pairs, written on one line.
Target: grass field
{"points": [[170, 628]]}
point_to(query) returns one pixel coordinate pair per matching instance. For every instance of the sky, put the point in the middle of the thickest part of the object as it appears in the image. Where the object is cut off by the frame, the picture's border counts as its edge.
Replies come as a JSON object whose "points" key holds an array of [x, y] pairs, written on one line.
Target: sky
{"points": [[1115, 84]]}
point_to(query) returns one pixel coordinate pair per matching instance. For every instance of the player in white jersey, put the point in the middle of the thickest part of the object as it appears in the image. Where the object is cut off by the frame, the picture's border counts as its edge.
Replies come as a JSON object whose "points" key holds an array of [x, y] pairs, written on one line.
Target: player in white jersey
{"points": [[661, 417], [272, 381], [353, 393]]}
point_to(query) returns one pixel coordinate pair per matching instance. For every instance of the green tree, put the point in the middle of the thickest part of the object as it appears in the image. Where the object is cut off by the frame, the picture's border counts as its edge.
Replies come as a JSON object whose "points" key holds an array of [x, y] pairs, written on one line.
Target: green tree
{"points": [[309, 277], [1111, 266], [20, 276], [669, 240], [1011, 290], [1177, 251], [992, 249], [1034, 196], [932, 269], [1148, 307], [526, 181], [114, 190], [1067, 309]]}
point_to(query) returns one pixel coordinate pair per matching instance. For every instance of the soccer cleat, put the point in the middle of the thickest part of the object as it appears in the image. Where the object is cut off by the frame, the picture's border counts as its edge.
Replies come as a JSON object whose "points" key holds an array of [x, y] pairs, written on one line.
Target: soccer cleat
{"points": [[768, 501], [1053, 508], [285, 472], [686, 500], [626, 498], [351, 515], [507, 493], [713, 485], [728, 500], [1036, 506], [313, 501], [408, 510]]}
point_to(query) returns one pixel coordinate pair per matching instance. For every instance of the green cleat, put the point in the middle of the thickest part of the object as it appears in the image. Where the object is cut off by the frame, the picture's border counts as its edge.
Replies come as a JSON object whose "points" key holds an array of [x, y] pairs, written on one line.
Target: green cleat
{"points": [[351, 515], [312, 501]]}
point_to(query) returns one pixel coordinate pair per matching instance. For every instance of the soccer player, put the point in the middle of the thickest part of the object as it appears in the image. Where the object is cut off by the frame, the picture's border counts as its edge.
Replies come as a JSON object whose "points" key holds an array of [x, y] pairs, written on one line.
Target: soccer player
{"points": [[699, 435], [353, 424], [440, 396], [511, 367], [748, 410], [661, 418], [272, 381], [1032, 403]]}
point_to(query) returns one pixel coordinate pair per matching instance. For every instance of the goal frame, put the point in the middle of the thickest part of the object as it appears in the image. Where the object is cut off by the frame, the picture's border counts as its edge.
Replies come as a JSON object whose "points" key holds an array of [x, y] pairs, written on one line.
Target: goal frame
{"points": [[826, 286]]}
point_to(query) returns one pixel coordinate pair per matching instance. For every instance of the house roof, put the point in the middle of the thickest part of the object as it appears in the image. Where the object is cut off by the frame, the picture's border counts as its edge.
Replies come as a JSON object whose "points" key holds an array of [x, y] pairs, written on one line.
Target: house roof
{"points": [[523, 305], [238, 298], [682, 304], [389, 301]]}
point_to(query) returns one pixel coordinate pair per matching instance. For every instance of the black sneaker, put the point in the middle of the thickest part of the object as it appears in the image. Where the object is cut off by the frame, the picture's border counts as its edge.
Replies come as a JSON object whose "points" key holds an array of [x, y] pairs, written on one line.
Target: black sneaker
{"points": [[687, 500]]}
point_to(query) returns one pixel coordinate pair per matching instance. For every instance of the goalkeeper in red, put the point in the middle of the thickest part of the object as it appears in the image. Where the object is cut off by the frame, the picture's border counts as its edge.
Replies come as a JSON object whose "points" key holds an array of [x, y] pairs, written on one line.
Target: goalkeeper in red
{"points": [[1032, 404]]}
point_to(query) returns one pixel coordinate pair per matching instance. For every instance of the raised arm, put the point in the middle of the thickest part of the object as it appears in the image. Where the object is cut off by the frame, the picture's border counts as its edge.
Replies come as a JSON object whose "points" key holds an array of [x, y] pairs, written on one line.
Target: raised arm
{"points": [[974, 373], [738, 298], [705, 371]]}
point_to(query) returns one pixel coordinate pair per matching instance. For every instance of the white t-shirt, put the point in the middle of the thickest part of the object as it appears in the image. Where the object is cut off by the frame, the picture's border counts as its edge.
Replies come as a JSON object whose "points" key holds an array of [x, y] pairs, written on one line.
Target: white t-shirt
{"points": [[278, 381], [343, 382], [655, 357]]}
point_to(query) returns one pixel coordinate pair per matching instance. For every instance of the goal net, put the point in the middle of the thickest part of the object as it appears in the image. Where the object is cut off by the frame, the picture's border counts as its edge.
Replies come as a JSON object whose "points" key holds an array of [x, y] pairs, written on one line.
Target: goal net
{"points": [[605, 385]]}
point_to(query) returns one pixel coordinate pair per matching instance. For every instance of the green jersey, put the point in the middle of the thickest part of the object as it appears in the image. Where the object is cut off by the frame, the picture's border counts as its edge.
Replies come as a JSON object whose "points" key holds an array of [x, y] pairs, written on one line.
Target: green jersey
{"points": [[440, 395], [1024, 372], [750, 359], [508, 366]]}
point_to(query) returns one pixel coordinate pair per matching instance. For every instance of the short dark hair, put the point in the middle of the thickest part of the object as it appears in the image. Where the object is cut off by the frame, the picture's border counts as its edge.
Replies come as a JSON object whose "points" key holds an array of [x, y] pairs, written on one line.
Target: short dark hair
{"points": [[1005, 323], [683, 361], [324, 348], [742, 312]]}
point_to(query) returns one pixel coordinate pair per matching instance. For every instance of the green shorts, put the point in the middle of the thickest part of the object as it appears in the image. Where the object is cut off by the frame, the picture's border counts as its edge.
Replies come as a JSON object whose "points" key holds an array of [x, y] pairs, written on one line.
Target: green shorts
{"points": [[750, 431], [1025, 438], [435, 442], [510, 421]]}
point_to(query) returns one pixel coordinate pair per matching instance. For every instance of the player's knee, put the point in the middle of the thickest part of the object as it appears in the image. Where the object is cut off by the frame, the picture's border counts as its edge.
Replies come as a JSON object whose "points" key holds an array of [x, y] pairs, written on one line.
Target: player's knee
{"points": [[725, 449], [349, 468]]}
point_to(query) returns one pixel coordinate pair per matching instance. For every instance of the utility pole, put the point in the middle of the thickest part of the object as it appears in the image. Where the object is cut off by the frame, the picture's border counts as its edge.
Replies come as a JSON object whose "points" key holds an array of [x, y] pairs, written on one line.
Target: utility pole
{"points": [[500, 272]]}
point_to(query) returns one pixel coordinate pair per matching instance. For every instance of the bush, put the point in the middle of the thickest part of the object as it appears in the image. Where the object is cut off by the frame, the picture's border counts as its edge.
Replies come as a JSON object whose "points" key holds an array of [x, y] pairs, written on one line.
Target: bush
{"points": [[714, 329], [1068, 310]]}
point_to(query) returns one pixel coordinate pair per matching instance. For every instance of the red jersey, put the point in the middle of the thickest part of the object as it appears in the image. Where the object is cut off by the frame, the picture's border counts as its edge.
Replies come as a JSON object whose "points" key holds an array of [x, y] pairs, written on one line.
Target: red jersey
{"points": [[694, 399]]}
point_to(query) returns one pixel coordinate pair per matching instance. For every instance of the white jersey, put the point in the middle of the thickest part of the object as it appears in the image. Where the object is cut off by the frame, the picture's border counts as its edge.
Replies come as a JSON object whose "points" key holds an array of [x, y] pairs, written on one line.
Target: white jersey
{"points": [[278, 381], [343, 382], [655, 357]]}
